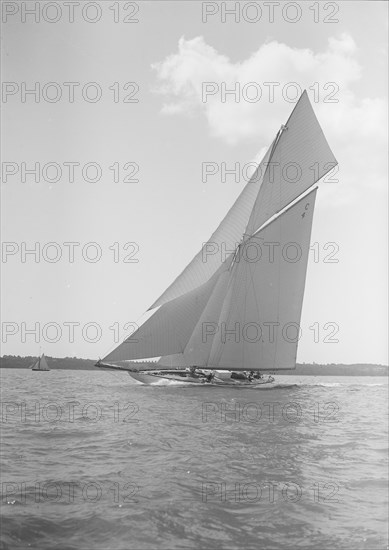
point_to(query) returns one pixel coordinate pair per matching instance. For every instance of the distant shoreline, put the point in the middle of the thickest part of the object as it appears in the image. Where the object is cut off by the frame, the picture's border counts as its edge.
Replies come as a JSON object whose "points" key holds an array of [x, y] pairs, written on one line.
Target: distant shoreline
{"points": [[305, 369]]}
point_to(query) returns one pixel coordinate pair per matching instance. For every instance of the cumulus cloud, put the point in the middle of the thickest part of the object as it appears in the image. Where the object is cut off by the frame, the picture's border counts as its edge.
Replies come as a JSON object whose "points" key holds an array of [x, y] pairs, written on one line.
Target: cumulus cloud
{"points": [[197, 68], [354, 125]]}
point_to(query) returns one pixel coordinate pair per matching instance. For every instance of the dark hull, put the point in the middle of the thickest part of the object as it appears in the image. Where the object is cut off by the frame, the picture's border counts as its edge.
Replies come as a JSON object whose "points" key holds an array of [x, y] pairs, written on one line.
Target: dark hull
{"points": [[41, 370]]}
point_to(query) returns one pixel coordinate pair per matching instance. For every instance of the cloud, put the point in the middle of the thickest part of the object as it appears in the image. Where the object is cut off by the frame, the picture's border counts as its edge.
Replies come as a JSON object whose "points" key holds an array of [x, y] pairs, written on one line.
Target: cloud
{"points": [[183, 77], [353, 125]]}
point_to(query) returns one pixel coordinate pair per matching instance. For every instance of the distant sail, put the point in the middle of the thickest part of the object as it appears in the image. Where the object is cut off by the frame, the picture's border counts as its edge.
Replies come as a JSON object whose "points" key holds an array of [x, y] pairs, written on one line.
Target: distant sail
{"points": [[41, 364]]}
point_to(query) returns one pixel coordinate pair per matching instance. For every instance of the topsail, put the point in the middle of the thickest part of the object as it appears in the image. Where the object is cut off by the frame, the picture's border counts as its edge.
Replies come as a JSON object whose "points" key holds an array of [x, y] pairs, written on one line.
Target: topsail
{"points": [[243, 312]]}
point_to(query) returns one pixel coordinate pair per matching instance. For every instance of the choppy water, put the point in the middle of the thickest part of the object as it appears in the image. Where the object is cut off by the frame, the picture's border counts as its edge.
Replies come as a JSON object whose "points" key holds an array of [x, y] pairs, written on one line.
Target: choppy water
{"points": [[91, 461]]}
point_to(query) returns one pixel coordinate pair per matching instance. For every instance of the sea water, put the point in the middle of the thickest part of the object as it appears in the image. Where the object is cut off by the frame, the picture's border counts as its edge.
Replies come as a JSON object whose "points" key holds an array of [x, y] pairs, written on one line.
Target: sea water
{"points": [[91, 460]]}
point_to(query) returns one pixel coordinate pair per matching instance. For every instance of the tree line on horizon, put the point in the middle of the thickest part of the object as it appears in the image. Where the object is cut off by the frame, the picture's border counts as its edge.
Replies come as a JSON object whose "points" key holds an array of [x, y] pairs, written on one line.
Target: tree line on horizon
{"points": [[76, 363]]}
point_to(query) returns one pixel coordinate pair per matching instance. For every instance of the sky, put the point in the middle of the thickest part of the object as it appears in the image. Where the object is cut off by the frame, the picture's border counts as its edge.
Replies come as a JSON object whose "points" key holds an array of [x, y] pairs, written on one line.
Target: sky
{"points": [[119, 130]]}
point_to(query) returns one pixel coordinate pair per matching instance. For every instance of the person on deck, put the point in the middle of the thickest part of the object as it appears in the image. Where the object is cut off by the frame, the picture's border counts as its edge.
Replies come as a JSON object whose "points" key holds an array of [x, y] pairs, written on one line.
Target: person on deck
{"points": [[192, 371]]}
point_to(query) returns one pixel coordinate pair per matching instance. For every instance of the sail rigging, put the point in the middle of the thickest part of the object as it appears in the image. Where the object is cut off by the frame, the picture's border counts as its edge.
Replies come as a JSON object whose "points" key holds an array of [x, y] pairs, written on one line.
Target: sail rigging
{"points": [[243, 313]]}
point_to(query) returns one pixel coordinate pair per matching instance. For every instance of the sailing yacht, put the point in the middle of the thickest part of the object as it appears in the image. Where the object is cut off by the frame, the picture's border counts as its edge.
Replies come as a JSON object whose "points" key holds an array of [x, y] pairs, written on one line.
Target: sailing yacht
{"points": [[41, 364], [234, 312]]}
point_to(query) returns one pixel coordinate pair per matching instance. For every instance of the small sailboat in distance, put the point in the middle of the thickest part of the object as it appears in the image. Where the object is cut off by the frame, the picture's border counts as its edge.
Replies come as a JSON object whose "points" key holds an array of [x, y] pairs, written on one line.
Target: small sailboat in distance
{"points": [[41, 364], [235, 310]]}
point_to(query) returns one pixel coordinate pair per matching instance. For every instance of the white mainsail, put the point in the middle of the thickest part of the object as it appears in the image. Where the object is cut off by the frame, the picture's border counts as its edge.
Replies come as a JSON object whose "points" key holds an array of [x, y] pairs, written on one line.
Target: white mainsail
{"points": [[259, 327], [243, 313]]}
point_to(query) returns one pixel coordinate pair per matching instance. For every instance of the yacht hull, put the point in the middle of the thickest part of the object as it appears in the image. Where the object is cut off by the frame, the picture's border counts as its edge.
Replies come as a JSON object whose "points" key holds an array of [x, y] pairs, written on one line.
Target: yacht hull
{"points": [[41, 370], [183, 377]]}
